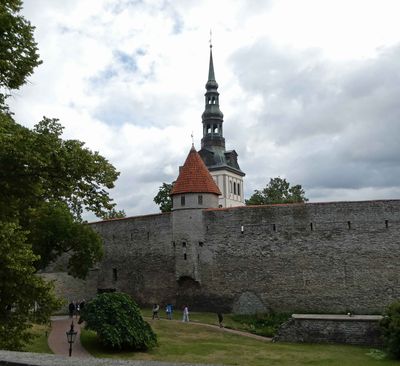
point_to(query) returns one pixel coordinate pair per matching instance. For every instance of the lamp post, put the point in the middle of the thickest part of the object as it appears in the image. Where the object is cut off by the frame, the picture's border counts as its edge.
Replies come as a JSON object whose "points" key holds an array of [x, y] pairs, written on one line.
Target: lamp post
{"points": [[71, 335]]}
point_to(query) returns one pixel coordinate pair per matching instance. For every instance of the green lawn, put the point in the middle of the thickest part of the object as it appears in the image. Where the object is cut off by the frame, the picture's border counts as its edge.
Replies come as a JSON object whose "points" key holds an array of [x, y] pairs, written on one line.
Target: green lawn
{"points": [[183, 342], [39, 344], [206, 318]]}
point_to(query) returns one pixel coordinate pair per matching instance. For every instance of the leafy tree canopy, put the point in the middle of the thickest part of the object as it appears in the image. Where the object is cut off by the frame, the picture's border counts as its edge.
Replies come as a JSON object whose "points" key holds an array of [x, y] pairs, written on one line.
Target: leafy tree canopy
{"points": [[390, 325], [117, 320], [18, 49], [163, 197], [278, 190], [21, 290], [38, 165], [113, 214], [45, 184]]}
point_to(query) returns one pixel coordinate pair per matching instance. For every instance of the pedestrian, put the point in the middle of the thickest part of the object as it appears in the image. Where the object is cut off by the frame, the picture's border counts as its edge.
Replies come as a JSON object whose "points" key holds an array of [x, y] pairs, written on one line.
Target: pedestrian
{"points": [[71, 309], [220, 319], [156, 308], [82, 305], [77, 309], [169, 310], [185, 314]]}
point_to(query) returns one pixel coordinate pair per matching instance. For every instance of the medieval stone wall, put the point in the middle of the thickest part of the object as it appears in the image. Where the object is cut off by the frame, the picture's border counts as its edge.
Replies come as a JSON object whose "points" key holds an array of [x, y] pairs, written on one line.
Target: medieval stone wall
{"points": [[317, 257], [328, 257], [138, 258], [309, 328]]}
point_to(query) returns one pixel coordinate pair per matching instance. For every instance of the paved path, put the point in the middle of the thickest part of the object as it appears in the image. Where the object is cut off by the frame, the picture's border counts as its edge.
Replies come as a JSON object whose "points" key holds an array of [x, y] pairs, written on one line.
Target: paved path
{"points": [[58, 339]]}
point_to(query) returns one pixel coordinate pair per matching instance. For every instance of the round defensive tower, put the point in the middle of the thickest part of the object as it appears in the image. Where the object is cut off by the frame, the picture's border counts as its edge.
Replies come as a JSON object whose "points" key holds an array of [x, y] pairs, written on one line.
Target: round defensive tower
{"points": [[193, 191]]}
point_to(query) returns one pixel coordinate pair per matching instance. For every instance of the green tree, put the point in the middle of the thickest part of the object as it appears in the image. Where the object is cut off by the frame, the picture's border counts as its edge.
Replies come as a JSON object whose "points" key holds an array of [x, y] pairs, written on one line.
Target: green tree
{"points": [[113, 214], [117, 320], [38, 165], [18, 49], [390, 326], [278, 190], [45, 184], [21, 290], [163, 197], [53, 231]]}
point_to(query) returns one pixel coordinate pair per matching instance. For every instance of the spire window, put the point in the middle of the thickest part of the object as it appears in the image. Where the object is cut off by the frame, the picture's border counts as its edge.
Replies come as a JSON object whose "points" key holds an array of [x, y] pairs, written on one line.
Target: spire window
{"points": [[208, 129]]}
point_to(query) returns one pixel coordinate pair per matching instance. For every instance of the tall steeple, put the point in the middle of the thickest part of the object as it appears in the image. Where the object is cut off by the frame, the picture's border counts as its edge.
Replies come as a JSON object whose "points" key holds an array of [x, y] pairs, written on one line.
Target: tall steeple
{"points": [[222, 164], [212, 117]]}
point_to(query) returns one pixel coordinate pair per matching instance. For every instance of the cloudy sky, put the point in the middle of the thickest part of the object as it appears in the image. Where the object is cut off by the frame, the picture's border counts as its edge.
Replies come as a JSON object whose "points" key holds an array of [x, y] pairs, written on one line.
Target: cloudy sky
{"points": [[310, 89]]}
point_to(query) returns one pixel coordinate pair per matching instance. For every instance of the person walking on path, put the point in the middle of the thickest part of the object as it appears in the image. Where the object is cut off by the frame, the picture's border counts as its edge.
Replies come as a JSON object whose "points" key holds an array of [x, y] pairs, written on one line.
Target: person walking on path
{"points": [[220, 319], [71, 309], [185, 314], [168, 310], [156, 308]]}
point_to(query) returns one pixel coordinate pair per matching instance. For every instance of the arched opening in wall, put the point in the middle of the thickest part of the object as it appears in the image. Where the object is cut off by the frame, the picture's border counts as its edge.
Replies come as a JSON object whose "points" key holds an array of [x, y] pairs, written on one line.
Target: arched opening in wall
{"points": [[208, 128], [188, 292]]}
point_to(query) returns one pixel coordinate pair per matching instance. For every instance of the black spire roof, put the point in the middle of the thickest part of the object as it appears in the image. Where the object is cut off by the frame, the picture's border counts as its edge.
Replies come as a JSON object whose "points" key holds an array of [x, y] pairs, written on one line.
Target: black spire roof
{"points": [[213, 150]]}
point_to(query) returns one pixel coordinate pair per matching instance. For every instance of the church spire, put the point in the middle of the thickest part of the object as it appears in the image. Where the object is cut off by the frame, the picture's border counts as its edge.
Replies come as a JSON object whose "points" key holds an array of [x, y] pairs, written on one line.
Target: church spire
{"points": [[212, 117]]}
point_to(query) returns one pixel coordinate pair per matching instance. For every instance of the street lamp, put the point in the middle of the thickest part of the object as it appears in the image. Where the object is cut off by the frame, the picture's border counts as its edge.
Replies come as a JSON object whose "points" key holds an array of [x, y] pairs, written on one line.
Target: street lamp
{"points": [[71, 335]]}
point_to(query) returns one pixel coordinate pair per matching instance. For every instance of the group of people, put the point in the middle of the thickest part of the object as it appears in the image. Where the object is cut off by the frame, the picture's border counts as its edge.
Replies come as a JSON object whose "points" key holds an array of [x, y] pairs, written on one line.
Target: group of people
{"points": [[74, 308], [169, 310], [185, 318]]}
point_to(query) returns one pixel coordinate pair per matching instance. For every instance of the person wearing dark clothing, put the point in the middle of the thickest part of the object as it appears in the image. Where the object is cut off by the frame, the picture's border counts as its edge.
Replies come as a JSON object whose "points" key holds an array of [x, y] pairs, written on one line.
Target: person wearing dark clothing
{"points": [[156, 308], [71, 309], [220, 319]]}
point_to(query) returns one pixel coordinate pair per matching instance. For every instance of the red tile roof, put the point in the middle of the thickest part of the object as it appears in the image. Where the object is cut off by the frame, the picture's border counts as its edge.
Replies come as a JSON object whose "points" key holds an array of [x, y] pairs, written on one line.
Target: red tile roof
{"points": [[194, 177]]}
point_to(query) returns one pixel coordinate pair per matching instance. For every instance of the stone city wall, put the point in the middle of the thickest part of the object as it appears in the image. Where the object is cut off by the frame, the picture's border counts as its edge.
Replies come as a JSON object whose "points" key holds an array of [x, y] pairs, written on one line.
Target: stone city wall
{"points": [[316, 258], [138, 258], [323, 258], [308, 328]]}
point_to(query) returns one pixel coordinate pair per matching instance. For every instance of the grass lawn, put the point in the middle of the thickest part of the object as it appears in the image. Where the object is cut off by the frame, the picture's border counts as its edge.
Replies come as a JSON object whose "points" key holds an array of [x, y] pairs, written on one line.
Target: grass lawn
{"points": [[206, 318], [183, 342], [39, 344]]}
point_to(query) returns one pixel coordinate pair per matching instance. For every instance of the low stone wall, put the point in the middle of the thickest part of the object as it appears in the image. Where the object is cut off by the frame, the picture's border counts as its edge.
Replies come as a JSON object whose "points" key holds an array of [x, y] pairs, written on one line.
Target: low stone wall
{"points": [[35, 359], [314, 328]]}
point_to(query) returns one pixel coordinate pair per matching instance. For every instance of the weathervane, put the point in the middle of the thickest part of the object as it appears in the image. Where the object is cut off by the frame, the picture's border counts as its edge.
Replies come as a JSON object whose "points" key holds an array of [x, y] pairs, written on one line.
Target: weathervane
{"points": [[192, 139]]}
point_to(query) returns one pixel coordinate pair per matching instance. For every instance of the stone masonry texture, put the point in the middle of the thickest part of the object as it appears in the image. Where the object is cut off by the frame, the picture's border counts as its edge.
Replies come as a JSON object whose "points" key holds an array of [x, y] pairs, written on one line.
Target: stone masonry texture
{"points": [[308, 258], [357, 330]]}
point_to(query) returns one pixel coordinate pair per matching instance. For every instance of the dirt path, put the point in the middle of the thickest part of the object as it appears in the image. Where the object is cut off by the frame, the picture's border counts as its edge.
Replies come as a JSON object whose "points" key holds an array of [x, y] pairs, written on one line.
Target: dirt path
{"points": [[227, 330], [58, 339]]}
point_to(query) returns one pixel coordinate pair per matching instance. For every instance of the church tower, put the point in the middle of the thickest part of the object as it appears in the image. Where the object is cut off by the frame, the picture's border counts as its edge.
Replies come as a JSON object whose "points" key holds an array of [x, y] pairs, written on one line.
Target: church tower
{"points": [[222, 164]]}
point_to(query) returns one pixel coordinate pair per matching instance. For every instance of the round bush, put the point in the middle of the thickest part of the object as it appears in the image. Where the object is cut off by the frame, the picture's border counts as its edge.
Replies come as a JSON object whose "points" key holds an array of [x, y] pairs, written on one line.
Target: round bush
{"points": [[390, 325], [117, 320]]}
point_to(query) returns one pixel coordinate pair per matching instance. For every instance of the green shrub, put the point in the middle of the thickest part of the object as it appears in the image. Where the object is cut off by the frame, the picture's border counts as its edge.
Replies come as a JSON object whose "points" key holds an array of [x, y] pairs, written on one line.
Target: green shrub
{"points": [[117, 320], [261, 324], [390, 326]]}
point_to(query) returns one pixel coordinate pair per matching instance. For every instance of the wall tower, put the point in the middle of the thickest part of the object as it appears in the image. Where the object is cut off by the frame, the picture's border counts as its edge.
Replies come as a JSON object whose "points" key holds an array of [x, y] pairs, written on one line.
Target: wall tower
{"points": [[222, 164]]}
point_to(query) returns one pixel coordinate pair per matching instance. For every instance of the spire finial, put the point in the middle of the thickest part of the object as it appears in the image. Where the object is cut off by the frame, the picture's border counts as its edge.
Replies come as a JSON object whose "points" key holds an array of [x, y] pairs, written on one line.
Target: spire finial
{"points": [[192, 136], [210, 41]]}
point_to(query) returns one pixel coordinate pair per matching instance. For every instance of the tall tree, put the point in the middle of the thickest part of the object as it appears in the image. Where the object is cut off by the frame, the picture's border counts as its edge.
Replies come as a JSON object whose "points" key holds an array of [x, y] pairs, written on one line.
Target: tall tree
{"points": [[163, 197], [278, 190], [18, 49], [45, 184], [21, 291]]}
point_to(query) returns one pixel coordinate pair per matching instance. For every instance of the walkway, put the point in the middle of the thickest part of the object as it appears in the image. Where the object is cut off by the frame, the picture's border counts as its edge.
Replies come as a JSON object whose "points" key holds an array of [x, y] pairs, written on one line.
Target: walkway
{"points": [[227, 330], [58, 339]]}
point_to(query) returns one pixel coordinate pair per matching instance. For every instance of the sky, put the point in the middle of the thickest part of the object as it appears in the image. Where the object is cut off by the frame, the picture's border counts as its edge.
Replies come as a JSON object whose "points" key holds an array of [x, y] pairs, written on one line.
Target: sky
{"points": [[310, 89]]}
